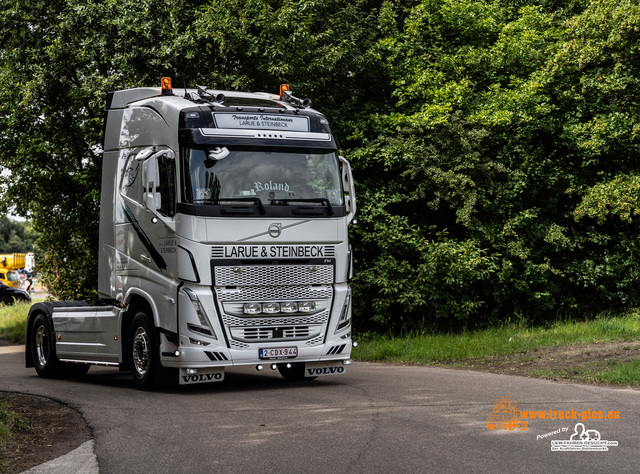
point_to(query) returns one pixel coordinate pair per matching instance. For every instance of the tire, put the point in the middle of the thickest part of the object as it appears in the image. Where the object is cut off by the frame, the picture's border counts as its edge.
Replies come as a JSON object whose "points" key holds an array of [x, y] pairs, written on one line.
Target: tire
{"points": [[144, 355], [294, 373], [43, 352]]}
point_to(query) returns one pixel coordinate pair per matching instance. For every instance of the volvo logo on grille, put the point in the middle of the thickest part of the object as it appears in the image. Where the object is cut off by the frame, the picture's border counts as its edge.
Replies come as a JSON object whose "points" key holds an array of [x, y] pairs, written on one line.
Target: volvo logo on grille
{"points": [[275, 230]]}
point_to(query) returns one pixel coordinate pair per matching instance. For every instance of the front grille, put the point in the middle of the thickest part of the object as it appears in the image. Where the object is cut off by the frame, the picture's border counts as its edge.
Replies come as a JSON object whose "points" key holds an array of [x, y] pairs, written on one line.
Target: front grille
{"points": [[238, 284], [274, 293], [272, 334], [238, 345], [318, 318], [283, 275]]}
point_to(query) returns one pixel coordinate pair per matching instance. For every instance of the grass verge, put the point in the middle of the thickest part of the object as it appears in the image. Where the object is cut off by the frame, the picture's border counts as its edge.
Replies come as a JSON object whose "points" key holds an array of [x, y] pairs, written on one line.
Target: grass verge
{"points": [[426, 349], [593, 351], [602, 372], [13, 321], [620, 374]]}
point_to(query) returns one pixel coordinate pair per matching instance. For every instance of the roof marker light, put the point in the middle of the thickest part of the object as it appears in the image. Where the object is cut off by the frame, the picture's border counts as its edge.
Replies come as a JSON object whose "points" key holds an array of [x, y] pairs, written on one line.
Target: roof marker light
{"points": [[284, 88], [166, 86]]}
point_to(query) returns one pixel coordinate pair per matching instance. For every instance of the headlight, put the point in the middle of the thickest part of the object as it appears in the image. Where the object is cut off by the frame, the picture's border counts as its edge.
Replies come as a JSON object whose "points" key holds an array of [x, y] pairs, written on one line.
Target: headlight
{"points": [[345, 316], [289, 307], [201, 313], [307, 306], [252, 308], [270, 308]]}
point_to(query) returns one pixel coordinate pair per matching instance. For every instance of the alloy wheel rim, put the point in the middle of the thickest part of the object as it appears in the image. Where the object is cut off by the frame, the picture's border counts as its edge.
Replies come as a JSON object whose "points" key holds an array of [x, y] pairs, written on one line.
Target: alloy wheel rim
{"points": [[141, 351], [42, 345]]}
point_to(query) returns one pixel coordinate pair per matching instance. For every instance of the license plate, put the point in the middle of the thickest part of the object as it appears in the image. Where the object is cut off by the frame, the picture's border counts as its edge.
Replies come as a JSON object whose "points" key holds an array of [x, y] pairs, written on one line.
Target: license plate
{"points": [[278, 353]]}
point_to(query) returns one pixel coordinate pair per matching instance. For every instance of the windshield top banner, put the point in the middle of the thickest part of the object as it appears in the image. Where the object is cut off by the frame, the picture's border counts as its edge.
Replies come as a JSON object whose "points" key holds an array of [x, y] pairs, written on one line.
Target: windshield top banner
{"points": [[262, 122]]}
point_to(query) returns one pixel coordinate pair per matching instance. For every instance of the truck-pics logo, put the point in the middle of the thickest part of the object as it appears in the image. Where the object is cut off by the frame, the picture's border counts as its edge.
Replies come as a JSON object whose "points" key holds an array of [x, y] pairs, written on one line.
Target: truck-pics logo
{"points": [[504, 415]]}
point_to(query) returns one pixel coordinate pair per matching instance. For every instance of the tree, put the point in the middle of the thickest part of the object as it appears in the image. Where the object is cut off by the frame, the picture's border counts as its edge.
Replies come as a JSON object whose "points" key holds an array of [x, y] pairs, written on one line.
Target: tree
{"points": [[505, 114], [478, 132], [15, 236], [59, 59]]}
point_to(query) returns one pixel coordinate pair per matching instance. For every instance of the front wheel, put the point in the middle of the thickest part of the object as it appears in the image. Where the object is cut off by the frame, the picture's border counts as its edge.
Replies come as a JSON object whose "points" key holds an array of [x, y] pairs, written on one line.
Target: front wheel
{"points": [[144, 358]]}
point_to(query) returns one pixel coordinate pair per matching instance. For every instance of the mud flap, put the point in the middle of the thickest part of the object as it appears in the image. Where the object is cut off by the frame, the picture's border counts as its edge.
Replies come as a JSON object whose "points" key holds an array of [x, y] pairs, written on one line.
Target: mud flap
{"points": [[210, 374], [329, 367]]}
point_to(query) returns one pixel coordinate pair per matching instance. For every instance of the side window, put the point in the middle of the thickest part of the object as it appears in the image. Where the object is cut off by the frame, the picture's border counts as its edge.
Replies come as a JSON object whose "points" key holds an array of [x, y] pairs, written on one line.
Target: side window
{"points": [[167, 186], [131, 186]]}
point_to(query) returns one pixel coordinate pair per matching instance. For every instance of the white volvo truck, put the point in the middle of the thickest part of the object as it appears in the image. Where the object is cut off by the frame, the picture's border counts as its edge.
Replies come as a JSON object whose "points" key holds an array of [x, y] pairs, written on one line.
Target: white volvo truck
{"points": [[223, 242]]}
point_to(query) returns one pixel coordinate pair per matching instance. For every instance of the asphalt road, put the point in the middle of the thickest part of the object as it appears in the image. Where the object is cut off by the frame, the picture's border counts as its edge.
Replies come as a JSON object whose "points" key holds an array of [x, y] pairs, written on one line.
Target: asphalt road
{"points": [[376, 418]]}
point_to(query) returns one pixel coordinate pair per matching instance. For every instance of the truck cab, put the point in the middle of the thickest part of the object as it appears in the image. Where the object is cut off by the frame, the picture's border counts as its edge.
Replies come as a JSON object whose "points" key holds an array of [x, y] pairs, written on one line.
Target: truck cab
{"points": [[9, 266], [223, 241]]}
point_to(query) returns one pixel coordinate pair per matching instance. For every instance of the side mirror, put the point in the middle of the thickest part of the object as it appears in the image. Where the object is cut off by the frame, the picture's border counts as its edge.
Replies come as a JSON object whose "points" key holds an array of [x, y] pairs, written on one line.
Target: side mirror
{"points": [[151, 176], [347, 183]]}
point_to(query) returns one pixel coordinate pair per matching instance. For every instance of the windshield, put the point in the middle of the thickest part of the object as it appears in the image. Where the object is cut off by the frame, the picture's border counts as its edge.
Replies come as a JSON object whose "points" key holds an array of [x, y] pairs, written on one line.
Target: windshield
{"points": [[13, 276], [281, 176]]}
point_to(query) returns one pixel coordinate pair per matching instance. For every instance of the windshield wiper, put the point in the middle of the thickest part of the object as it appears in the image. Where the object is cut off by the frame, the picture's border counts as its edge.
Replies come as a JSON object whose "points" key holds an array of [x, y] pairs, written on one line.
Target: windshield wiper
{"points": [[254, 200], [318, 200]]}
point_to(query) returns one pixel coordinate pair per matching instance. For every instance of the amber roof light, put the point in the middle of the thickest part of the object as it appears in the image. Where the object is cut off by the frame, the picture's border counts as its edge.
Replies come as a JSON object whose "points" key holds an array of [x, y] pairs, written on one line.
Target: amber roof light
{"points": [[166, 86]]}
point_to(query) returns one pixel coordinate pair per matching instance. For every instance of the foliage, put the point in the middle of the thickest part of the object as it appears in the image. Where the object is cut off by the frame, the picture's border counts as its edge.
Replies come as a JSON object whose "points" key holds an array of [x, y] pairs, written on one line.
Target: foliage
{"points": [[494, 143], [619, 197], [59, 59], [504, 118], [15, 236]]}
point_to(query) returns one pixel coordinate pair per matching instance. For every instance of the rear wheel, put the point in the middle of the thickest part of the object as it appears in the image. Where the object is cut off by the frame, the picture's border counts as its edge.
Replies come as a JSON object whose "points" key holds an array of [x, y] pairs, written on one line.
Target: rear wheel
{"points": [[42, 348], [44, 355]]}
